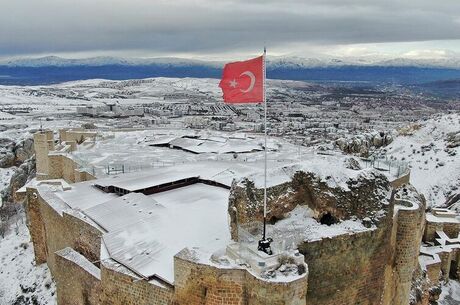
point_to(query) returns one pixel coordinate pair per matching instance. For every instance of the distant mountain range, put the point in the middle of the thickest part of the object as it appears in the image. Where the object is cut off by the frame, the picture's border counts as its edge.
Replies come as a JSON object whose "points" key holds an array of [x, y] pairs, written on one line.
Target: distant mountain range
{"points": [[273, 62], [53, 69]]}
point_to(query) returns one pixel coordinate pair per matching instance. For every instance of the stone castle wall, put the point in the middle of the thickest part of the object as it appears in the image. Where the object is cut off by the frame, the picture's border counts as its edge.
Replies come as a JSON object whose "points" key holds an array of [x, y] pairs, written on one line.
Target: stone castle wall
{"points": [[404, 179], [197, 284], [43, 144], [58, 165], [75, 135], [36, 226], [119, 288], [409, 228], [348, 269], [451, 229], [78, 281], [53, 230]]}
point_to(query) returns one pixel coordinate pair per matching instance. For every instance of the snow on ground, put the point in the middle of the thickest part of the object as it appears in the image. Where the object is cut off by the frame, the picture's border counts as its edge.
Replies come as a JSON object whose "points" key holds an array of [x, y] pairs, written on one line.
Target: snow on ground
{"points": [[21, 280], [450, 294], [301, 226], [434, 171], [5, 177]]}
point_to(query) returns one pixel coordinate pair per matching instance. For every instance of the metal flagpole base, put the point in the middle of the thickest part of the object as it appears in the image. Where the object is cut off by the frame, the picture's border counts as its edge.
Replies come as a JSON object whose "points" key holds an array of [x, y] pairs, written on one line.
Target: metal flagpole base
{"points": [[264, 245]]}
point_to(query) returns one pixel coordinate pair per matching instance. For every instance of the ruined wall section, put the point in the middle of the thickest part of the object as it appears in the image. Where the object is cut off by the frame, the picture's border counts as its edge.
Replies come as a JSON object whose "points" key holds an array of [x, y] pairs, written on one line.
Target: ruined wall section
{"points": [[77, 136], [197, 284], [36, 225], [349, 269], [53, 164], [78, 281], [54, 227], [426, 281], [404, 179], [122, 287], [43, 144]]}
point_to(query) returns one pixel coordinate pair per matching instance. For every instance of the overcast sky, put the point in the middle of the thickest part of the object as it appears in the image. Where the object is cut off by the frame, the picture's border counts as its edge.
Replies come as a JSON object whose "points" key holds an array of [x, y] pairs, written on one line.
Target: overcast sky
{"points": [[224, 29]]}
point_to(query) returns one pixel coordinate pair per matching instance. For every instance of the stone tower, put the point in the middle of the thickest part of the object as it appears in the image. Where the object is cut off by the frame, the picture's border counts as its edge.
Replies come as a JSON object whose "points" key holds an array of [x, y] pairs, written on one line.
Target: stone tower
{"points": [[43, 144]]}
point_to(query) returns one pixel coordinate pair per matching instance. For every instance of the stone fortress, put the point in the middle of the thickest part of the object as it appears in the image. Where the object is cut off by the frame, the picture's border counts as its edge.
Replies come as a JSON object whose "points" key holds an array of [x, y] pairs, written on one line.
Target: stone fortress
{"points": [[187, 234]]}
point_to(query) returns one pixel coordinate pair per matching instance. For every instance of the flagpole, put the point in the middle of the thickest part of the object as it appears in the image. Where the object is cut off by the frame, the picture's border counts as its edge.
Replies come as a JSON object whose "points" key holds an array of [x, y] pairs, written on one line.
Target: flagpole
{"points": [[265, 146]]}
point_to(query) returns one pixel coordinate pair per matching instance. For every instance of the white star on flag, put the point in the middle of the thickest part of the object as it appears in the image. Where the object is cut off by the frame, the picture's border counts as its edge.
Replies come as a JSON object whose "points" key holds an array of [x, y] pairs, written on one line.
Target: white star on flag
{"points": [[233, 83]]}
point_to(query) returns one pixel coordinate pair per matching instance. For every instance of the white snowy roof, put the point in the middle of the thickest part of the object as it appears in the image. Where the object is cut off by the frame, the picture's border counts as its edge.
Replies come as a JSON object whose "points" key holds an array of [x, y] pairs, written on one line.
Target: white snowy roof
{"points": [[212, 144], [192, 216], [83, 196], [122, 211]]}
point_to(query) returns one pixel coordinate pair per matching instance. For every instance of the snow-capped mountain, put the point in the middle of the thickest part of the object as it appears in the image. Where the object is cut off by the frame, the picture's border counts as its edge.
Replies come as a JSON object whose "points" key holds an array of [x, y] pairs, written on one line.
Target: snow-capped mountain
{"points": [[272, 62], [56, 61], [53, 69]]}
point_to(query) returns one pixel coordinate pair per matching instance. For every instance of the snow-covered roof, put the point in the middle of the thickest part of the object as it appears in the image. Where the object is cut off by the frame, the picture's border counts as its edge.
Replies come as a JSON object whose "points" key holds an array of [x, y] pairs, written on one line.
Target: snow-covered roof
{"points": [[192, 216], [122, 211], [211, 144]]}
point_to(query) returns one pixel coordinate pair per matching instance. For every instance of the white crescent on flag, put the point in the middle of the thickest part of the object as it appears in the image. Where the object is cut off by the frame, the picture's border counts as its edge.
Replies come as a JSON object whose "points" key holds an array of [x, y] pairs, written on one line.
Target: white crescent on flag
{"points": [[253, 81]]}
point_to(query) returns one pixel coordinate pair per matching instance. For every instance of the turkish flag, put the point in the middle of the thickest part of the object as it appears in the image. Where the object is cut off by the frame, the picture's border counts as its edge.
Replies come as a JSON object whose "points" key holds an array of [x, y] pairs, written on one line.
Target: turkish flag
{"points": [[243, 81]]}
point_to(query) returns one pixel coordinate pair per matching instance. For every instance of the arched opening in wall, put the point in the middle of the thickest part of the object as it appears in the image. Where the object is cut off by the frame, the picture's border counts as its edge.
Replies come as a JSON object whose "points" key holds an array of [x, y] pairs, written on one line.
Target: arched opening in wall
{"points": [[273, 220], [328, 219], [453, 270]]}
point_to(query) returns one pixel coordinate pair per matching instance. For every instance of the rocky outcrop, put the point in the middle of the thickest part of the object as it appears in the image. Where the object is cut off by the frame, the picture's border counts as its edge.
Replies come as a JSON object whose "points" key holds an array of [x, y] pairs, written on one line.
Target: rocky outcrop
{"points": [[361, 144], [13, 154], [24, 173], [24, 150], [453, 139], [22, 155], [352, 163], [365, 197]]}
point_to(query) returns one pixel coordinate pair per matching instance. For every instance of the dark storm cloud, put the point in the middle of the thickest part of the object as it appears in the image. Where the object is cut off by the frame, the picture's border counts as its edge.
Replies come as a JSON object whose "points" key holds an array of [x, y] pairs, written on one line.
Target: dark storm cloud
{"points": [[208, 26]]}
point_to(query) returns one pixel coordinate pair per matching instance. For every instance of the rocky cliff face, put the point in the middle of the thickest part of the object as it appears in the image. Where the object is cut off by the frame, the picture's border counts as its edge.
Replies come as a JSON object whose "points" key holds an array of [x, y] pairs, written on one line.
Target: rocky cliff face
{"points": [[19, 154], [24, 173], [364, 197], [14, 154]]}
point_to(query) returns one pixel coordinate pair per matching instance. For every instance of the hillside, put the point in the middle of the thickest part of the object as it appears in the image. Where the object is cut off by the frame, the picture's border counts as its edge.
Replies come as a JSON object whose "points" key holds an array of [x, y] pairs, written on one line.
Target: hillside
{"points": [[432, 150]]}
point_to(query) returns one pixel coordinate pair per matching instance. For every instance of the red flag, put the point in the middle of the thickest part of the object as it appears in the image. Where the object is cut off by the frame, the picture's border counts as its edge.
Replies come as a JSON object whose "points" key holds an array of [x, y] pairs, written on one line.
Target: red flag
{"points": [[243, 81]]}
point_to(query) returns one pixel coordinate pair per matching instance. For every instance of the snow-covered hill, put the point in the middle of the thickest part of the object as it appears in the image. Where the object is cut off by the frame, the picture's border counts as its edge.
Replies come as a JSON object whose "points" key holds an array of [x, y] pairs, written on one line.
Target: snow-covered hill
{"points": [[434, 161]]}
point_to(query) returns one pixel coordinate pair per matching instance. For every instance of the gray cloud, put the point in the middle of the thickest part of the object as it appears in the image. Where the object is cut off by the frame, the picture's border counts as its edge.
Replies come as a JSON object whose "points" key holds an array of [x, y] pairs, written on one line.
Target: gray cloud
{"points": [[181, 26]]}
